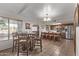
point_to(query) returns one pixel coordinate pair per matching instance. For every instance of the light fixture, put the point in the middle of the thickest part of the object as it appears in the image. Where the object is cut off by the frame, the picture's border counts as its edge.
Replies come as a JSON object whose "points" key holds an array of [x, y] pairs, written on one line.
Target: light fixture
{"points": [[47, 18], [46, 14]]}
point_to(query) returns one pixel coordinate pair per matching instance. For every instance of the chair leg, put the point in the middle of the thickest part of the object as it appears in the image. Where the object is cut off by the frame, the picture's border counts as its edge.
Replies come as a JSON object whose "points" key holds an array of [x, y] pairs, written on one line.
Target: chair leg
{"points": [[27, 47], [18, 50], [13, 47], [27, 51], [41, 45]]}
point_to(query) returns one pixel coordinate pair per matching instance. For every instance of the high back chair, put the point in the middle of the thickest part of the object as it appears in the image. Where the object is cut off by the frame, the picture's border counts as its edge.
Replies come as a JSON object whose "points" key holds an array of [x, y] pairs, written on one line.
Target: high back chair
{"points": [[43, 35], [23, 43], [38, 42], [15, 38]]}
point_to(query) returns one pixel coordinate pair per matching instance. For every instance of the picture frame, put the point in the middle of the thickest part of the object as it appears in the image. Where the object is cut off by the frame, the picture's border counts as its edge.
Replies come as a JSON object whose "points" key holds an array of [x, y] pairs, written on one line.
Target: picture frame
{"points": [[27, 25]]}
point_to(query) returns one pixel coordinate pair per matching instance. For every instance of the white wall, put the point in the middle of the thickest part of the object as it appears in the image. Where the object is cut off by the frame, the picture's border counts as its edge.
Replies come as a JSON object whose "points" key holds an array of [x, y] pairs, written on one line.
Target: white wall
{"points": [[77, 41]]}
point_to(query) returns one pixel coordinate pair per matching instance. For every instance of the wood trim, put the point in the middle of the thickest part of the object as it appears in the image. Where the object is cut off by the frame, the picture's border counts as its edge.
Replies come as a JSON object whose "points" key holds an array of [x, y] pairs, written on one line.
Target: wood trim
{"points": [[67, 24], [75, 24], [74, 33]]}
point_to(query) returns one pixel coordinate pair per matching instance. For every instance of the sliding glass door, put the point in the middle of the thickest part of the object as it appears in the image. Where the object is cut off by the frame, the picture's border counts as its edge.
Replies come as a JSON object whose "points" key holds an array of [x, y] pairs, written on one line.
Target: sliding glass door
{"points": [[4, 25], [9, 26], [13, 27]]}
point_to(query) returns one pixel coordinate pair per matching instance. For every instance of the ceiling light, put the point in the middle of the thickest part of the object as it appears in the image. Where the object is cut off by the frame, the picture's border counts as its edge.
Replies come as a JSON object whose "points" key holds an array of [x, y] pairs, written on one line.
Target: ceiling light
{"points": [[47, 19], [46, 14]]}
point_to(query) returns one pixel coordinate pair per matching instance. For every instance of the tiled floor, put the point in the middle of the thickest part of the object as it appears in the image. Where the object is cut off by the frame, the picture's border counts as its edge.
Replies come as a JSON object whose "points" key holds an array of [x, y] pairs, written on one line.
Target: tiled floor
{"points": [[50, 48]]}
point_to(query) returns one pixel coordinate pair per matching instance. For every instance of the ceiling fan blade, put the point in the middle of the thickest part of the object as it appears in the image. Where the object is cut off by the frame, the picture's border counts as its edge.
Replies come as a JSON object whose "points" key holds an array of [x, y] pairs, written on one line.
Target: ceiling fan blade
{"points": [[22, 9]]}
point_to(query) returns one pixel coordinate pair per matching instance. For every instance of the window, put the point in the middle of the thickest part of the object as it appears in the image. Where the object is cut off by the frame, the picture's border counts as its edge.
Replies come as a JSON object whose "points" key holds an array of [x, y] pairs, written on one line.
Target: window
{"points": [[13, 27], [3, 29], [7, 27]]}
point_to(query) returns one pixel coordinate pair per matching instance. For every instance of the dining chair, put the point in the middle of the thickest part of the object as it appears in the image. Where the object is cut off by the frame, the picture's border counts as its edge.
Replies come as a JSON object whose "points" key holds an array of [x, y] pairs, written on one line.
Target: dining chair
{"points": [[57, 37], [38, 42], [43, 35], [51, 36], [15, 38], [23, 43]]}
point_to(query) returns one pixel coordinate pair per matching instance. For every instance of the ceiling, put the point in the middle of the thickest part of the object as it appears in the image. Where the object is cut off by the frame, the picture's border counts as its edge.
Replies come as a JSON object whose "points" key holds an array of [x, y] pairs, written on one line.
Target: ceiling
{"points": [[33, 12]]}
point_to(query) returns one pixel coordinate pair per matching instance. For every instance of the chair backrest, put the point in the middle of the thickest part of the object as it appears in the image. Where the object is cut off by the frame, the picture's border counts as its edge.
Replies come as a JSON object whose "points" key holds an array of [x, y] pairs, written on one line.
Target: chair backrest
{"points": [[22, 36], [32, 36], [15, 36]]}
